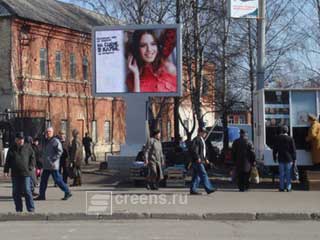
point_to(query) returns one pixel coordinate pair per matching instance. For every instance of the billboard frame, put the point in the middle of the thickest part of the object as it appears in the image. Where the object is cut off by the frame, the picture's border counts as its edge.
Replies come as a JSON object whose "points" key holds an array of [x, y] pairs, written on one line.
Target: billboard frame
{"points": [[177, 27]]}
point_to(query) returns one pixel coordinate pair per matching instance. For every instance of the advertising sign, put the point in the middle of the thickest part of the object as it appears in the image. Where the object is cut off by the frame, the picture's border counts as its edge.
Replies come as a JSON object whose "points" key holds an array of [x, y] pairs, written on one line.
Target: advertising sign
{"points": [[243, 8], [137, 59]]}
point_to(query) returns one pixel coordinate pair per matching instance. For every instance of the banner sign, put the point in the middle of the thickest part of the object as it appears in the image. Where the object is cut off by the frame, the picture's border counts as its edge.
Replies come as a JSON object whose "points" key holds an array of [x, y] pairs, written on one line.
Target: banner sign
{"points": [[243, 8]]}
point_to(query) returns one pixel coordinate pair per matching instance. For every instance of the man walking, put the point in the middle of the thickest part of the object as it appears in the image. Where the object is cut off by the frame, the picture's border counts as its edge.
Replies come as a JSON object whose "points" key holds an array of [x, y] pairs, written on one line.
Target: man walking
{"points": [[243, 156], [86, 141], [198, 153], [63, 168], [284, 151], [154, 160], [21, 160], [51, 156], [76, 157]]}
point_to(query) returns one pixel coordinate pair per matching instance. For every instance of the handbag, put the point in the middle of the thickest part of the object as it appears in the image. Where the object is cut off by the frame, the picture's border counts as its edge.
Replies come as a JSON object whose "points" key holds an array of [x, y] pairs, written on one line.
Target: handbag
{"points": [[71, 173], [295, 172], [254, 175]]}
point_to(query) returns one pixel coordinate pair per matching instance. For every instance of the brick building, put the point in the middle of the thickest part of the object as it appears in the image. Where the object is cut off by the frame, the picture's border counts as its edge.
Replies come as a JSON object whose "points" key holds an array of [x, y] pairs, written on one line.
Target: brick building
{"points": [[45, 64]]}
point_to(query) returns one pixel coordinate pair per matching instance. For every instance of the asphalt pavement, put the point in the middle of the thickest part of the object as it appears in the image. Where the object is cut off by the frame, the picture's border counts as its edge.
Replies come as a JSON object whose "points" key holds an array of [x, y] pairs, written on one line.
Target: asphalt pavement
{"points": [[161, 229]]}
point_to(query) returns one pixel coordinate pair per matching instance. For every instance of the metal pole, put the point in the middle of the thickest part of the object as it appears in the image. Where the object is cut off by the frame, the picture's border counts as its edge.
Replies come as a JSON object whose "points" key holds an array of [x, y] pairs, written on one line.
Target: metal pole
{"points": [[176, 99], [261, 45]]}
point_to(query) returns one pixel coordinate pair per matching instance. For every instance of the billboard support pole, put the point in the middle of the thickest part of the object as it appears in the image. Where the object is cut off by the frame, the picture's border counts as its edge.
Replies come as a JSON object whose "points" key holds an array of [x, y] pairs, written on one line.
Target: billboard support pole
{"points": [[136, 124]]}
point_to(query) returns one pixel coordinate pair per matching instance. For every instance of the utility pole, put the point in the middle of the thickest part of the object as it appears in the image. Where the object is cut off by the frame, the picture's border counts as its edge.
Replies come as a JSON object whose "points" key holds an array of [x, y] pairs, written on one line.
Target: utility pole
{"points": [[261, 44], [258, 103]]}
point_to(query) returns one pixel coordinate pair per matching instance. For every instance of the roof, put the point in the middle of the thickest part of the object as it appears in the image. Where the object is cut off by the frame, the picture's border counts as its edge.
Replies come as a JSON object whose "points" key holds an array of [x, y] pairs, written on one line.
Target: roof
{"points": [[55, 13]]}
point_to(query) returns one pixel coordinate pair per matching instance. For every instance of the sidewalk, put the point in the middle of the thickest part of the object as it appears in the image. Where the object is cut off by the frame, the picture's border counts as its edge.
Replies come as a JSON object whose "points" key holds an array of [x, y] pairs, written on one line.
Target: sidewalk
{"points": [[225, 204]]}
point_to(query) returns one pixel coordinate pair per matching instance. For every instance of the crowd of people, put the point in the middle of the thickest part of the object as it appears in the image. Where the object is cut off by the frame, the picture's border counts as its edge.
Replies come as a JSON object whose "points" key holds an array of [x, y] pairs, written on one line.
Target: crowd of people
{"points": [[28, 161]]}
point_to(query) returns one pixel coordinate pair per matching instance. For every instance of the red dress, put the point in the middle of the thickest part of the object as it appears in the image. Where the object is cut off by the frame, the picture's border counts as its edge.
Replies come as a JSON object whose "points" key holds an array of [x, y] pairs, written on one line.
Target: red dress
{"points": [[161, 80]]}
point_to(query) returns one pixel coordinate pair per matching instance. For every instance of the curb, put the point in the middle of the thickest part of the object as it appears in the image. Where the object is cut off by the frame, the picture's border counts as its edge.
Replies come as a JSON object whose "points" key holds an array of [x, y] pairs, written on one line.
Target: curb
{"points": [[165, 216]]}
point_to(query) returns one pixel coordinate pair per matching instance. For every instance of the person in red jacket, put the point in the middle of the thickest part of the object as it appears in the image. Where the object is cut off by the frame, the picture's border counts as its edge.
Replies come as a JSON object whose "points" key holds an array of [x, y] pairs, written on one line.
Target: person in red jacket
{"points": [[148, 62]]}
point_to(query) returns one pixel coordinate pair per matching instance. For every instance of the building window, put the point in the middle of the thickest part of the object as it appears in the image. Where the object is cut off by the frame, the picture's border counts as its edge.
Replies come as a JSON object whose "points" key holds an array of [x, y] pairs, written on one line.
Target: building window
{"points": [[107, 132], [242, 119], [72, 66], [169, 130], [64, 126], [186, 125], [58, 65], [205, 86], [43, 62], [231, 120], [94, 131], [85, 68]]}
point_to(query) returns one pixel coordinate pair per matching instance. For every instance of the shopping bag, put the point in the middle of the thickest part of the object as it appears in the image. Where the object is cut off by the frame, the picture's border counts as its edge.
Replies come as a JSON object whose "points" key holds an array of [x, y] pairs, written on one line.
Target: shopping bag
{"points": [[233, 175], [254, 175]]}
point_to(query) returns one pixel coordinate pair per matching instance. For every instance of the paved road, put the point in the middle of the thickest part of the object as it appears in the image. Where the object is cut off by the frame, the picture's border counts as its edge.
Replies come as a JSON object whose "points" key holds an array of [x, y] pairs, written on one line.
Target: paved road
{"points": [[160, 229]]}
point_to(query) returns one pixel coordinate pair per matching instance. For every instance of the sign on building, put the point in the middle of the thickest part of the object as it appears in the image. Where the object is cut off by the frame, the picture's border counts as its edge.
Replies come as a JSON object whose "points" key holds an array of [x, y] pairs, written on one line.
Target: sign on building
{"points": [[243, 8]]}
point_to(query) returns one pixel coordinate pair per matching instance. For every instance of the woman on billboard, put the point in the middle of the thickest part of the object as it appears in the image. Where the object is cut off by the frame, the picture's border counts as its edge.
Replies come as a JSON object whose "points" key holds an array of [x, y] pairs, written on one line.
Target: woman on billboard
{"points": [[150, 69]]}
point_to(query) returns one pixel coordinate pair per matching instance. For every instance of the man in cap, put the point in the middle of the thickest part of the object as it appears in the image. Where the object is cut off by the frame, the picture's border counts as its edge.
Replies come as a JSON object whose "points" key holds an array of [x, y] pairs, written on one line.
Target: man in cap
{"points": [[154, 160], [243, 156], [21, 160], [198, 153], [52, 152], [314, 139], [284, 151]]}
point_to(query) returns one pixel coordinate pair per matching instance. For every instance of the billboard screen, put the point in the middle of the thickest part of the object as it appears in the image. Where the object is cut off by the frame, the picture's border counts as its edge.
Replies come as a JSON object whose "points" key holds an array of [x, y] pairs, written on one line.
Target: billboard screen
{"points": [[137, 59]]}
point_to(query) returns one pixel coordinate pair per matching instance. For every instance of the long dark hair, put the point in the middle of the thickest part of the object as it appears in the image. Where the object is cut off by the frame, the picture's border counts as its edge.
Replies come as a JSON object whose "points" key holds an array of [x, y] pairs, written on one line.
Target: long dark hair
{"points": [[135, 48]]}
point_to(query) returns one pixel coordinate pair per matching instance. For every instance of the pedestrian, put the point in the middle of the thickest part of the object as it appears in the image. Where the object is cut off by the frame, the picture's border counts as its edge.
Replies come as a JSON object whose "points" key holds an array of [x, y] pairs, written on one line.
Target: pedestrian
{"points": [[243, 156], [154, 160], [314, 139], [86, 141], [199, 173], [63, 168], [76, 157], [36, 149], [34, 180], [52, 152], [284, 151], [21, 160]]}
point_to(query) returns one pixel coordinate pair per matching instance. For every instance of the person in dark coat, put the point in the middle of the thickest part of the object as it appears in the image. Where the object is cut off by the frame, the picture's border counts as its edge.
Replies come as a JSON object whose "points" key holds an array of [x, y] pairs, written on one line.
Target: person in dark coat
{"points": [[76, 157], [86, 141], [37, 153], [63, 168], [21, 160], [284, 151], [199, 153], [243, 156]]}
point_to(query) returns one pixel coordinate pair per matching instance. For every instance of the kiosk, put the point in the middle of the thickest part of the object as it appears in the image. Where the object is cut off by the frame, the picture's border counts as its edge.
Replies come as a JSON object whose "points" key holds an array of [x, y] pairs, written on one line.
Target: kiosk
{"points": [[277, 107]]}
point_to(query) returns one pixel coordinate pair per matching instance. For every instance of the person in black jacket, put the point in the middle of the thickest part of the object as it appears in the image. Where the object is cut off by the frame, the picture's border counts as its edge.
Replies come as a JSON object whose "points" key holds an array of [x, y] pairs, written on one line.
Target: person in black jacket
{"points": [[21, 160], [284, 151], [86, 142], [198, 153], [243, 156], [64, 159]]}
